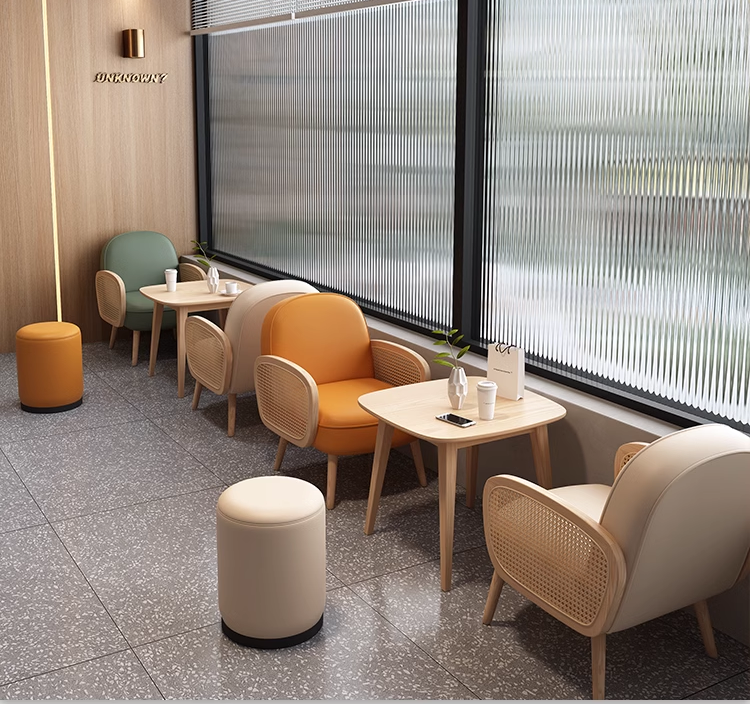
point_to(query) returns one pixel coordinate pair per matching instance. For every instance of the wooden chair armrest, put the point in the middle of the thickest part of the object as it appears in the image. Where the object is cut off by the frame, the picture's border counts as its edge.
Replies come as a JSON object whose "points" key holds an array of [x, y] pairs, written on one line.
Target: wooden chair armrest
{"points": [[553, 554], [209, 354], [110, 297], [287, 399], [625, 453], [398, 365], [190, 272]]}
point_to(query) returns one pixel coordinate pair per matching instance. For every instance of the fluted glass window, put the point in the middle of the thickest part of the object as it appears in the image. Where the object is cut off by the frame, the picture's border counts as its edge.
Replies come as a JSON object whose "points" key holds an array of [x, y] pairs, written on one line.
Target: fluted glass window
{"points": [[333, 149], [616, 244]]}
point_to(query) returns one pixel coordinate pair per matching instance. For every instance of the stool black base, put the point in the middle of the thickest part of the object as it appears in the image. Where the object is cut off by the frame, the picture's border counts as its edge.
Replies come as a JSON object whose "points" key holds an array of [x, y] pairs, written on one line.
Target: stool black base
{"points": [[271, 643], [52, 409]]}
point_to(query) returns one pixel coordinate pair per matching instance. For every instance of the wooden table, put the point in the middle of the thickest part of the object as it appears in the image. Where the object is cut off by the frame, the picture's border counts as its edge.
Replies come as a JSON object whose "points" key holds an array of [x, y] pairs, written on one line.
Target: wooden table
{"points": [[413, 408], [190, 297]]}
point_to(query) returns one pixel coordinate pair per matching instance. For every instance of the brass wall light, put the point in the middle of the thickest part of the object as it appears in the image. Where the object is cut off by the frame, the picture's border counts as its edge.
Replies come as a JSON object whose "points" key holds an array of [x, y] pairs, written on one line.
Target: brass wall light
{"points": [[133, 46]]}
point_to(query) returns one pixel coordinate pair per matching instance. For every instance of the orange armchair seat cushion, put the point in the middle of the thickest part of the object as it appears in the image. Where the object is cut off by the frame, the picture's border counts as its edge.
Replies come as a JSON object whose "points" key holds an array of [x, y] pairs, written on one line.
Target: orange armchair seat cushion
{"points": [[344, 428], [49, 362]]}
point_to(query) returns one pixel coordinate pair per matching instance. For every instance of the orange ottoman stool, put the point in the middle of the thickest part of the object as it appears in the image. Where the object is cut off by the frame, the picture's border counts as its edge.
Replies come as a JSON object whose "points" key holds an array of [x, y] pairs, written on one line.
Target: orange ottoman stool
{"points": [[49, 361]]}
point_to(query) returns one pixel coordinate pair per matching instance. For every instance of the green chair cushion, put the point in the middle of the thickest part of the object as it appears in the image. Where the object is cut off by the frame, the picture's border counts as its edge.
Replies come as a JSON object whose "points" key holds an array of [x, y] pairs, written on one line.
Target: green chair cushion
{"points": [[139, 258], [139, 312]]}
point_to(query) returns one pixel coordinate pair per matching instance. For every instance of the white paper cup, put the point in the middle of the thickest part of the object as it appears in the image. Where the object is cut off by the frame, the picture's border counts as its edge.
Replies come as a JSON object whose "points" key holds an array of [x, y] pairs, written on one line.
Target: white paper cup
{"points": [[231, 287], [170, 275], [486, 394]]}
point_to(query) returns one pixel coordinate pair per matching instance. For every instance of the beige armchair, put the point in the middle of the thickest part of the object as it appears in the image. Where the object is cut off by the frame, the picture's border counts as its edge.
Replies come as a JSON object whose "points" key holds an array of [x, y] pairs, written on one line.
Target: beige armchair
{"points": [[317, 361], [223, 360], [672, 531]]}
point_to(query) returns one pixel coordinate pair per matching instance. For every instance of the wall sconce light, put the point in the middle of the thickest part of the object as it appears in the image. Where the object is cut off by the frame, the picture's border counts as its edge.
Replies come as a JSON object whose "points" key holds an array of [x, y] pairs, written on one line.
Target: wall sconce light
{"points": [[133, 46]]}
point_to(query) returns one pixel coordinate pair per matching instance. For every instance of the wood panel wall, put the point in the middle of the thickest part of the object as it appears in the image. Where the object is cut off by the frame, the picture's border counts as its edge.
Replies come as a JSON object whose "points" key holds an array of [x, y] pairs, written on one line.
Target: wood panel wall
{"points": [[27, 275], [124, 152]]}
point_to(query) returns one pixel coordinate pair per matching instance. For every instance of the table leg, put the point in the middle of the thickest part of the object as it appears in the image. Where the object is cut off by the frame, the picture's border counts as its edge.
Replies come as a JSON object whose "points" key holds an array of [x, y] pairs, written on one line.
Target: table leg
{"points": [[181, 350], [379, 462], [472, 463], [447, 462], [223, 317], [540, 453], [155, 333]]}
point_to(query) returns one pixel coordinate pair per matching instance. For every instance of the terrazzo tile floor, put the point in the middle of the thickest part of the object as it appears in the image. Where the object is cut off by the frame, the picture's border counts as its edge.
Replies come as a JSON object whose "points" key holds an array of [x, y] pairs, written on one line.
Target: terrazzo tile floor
{"points": [[108, 571]]}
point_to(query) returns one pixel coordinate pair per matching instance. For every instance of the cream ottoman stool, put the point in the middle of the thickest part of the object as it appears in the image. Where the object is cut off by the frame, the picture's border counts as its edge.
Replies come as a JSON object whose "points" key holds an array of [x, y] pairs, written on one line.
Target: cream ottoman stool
{"points": [[271, 545]]}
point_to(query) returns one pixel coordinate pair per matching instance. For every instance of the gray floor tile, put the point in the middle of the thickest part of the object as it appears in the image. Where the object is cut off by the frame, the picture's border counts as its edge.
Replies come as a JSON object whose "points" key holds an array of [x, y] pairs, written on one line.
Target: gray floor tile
{"points": [[19, 510], [8, 369], [101, 407], [250, 453], [357, 655], [152, 565], [99, 358], [101, 469], [737, 687], [153, 396], [527, 654], [332, 582], [117, 676], [491, 661], [407, 530], [146, 545], [665, 659], [49, 616]]}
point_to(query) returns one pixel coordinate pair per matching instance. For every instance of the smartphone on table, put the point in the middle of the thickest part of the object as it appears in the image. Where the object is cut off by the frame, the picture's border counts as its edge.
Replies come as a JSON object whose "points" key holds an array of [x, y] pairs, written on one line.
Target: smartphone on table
{"points": [[453, 419]]}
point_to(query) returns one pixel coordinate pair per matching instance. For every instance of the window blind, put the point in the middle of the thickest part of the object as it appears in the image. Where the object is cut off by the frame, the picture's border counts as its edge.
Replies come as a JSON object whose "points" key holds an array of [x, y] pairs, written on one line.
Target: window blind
{"points": [[220, 15]]}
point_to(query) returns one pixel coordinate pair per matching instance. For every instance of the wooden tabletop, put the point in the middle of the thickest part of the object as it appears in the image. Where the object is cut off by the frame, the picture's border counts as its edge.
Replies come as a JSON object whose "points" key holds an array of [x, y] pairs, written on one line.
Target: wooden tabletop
{"points": [[190, 293], [412, 408]]}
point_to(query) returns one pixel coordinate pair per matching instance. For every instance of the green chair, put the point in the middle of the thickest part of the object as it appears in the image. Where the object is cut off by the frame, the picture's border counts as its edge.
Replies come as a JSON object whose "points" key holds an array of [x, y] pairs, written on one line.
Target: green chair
{"points": [[128, 262]]}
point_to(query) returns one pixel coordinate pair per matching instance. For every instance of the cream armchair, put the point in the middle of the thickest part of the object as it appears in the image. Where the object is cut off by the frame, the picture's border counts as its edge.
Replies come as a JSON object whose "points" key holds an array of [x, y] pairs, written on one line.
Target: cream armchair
{"points": [[223, 360], [672, 531], [317, 361]]}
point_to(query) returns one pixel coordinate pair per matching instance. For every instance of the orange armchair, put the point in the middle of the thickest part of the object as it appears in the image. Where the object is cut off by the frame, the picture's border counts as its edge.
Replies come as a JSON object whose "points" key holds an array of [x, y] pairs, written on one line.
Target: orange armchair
{"points": [[317, 360]]}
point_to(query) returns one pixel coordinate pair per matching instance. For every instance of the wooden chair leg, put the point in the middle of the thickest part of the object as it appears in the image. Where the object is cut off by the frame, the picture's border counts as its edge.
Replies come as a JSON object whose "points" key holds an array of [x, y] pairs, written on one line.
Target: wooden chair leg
{"points": [[333, 463], [598, 665], [136, 342], [280, 454], [707, 632], [197, 394], [416, 453], [231, 414], [112, 337], [496, 586]]}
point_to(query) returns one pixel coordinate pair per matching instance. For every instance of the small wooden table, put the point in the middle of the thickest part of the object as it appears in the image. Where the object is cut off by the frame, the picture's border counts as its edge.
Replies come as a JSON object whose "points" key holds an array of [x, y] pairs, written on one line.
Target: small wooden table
{"points": [[190, 297], [413, 408]]}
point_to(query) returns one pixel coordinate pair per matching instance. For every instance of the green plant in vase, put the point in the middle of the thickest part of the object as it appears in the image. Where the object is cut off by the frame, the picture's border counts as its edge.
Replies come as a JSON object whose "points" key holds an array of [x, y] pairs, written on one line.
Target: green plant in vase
{"points": [[212, 277], [451, 338], [458, 386], [202, 256]]}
